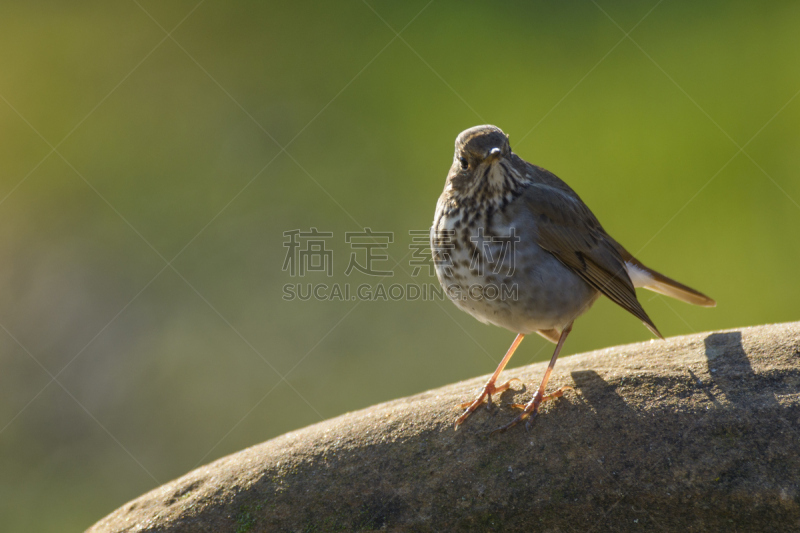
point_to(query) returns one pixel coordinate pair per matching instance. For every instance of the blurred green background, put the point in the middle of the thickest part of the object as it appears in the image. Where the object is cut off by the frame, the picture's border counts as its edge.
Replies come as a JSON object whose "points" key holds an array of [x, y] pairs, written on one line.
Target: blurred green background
{"points": [[144, 193]]}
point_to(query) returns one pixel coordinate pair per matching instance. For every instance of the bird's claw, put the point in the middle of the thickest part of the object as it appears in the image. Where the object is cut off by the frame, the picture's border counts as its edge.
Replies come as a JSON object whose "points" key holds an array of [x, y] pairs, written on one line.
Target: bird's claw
{"points": [[525, 415], [485, 395], [531, 409]]}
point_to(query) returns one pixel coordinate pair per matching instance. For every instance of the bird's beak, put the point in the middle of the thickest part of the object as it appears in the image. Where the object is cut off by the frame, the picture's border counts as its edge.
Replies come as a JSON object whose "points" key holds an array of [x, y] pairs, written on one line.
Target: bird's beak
{"points": [[494, 154]]}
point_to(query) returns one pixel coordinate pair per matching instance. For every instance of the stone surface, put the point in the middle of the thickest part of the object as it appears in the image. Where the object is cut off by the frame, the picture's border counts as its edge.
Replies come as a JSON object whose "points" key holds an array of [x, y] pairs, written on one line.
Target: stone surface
{"points": [[698, 433]]}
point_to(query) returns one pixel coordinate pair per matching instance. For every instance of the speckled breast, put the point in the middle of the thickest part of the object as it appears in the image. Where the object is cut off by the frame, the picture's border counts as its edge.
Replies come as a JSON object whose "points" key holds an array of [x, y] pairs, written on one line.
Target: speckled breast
{"points": [[496, 272]]}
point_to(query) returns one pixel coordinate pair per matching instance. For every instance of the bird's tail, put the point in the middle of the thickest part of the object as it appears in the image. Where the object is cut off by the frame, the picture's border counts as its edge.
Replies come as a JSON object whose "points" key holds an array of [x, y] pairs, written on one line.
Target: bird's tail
{"points": [[642, 276]]}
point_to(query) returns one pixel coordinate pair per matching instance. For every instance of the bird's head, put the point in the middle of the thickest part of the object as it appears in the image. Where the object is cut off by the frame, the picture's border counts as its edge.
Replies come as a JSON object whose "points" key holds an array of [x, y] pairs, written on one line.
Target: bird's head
{"points": [[482, 163]]}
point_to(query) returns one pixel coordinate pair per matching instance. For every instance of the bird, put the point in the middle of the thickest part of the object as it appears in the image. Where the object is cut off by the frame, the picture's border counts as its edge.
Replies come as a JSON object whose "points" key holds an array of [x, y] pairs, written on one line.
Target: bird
{"points": [[514, 246]]}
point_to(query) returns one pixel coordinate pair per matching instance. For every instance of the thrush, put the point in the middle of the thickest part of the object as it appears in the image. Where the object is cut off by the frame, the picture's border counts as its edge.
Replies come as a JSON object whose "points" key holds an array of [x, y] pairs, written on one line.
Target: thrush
{"points": [[516, 247]]}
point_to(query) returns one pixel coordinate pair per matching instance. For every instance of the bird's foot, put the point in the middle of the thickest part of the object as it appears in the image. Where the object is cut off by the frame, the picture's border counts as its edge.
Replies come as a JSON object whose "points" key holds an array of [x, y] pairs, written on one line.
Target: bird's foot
{"points": [[489, 389], [531, 409]]}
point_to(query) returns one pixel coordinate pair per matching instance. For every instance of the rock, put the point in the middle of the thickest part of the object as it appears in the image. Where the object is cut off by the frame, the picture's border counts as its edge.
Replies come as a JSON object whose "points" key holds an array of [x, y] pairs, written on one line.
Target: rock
{"points": [[698, 433]]}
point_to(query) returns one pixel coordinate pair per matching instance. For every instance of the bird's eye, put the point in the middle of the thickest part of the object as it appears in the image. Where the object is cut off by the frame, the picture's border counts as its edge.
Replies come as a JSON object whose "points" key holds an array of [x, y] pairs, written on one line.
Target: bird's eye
{"points": [[464, 163]]}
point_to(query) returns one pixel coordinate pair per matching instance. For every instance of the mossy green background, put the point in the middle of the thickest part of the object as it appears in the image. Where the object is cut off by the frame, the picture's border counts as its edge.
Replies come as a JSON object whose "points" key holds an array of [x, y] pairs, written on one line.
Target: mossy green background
{"points": [[145, 189]]}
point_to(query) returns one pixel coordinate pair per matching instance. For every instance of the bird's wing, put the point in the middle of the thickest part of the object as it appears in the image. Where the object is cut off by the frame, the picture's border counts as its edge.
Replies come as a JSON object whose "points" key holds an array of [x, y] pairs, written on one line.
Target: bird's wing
{"points": [[570, 231]]}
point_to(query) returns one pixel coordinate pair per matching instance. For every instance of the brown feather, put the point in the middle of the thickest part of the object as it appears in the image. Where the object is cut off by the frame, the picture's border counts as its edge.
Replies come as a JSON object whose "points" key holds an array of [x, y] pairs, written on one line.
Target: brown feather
{"points": [[668, 286], [550, 334], [568, 230]]}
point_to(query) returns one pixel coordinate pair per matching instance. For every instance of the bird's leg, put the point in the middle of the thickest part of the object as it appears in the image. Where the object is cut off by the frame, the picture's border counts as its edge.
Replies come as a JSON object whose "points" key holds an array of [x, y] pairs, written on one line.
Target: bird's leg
{"points": [[490, 388], [532, 407]]}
